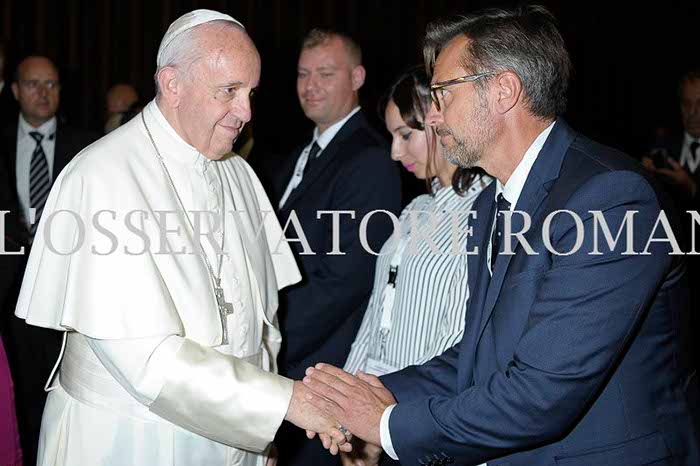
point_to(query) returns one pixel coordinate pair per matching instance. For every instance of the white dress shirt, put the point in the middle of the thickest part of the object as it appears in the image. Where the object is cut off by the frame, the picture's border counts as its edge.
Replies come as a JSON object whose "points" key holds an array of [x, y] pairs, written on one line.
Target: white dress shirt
{"points": [[514, 186], [687, 159], [322, 139], [511, 191], [25, 149]]}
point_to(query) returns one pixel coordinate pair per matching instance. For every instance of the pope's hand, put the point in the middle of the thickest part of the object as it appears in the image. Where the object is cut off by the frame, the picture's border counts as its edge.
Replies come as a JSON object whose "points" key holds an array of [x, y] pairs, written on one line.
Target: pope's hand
{"points": [[306, 416], [357, 403]]}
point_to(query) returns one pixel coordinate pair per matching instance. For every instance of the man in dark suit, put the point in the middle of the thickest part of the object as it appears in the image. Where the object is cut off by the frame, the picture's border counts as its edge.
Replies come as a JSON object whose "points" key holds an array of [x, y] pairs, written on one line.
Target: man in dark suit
{"points": [[573, 348], [677, 162], [678, 170], [345, 167], [35, 148]]}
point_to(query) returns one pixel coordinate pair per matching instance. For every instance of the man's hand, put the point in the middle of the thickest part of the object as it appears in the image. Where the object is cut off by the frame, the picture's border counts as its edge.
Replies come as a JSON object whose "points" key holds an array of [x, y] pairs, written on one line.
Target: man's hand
{"points": [[357, 403], [679, 177], [362, 454], [675, 174], [306, 416]]}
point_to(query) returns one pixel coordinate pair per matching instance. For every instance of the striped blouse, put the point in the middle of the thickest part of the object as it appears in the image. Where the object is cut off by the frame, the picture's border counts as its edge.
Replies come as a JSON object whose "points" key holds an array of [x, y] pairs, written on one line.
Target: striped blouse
{"points": [[431, 288]]}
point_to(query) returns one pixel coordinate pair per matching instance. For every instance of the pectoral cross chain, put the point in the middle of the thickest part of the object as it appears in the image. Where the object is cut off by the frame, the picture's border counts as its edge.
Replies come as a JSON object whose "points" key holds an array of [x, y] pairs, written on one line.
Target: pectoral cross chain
{"points": [[225, 310]]}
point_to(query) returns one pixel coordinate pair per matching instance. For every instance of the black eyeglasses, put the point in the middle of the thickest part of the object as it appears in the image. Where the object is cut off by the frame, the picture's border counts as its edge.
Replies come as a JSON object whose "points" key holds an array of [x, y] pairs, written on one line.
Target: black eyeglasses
{"points": [[437, 92]]}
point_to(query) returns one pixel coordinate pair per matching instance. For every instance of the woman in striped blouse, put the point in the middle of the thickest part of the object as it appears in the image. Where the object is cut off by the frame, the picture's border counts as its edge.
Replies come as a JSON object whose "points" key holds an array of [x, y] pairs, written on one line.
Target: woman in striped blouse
{"points": [[420, 292]]}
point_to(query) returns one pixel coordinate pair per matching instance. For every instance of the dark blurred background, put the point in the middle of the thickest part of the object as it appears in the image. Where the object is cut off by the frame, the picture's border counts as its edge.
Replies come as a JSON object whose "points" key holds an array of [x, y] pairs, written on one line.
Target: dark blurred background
{"points": [[627, 55]]}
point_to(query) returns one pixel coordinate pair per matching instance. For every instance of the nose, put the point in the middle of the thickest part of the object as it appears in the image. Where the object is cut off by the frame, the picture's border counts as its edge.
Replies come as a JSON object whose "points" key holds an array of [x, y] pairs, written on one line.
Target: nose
{"points": [[242, 108], [695, 108], [311, 82], [434, 116], [396, 149]]}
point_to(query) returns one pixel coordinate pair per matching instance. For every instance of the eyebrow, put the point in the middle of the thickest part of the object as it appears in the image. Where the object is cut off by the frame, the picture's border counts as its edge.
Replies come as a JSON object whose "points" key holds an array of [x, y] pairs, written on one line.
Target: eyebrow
{"points": [[231, 84], [319, 68], [398, 128]]}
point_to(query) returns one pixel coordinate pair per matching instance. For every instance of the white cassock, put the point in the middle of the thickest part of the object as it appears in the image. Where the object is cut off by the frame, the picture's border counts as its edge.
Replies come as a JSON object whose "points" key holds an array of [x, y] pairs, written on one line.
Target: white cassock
{"points": [[144, 378]]}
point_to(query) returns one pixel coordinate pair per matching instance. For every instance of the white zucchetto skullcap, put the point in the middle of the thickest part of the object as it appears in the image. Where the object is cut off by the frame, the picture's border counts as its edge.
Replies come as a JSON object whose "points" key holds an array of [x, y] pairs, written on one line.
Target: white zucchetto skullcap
{"points": [[188, 21]]}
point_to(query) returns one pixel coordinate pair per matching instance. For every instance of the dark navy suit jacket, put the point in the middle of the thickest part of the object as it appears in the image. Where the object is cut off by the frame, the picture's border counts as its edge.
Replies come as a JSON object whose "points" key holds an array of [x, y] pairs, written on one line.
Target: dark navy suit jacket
{"points": [[320, 316], [570, 359]]}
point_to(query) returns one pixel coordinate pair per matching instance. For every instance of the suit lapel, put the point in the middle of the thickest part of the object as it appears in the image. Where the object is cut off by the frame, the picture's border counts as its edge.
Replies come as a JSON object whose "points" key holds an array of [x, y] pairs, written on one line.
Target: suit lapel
{"points": [[540, 179], [325, 158], [479, 277], [61, 152], [10, 136]]}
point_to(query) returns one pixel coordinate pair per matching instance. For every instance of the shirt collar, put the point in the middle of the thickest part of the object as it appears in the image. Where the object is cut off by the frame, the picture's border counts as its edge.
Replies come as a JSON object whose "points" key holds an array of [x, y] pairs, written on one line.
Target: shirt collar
{"points": [[170, 144], [48, 129], [688, 139], [442, 194], [327, 136], [512, 189]]}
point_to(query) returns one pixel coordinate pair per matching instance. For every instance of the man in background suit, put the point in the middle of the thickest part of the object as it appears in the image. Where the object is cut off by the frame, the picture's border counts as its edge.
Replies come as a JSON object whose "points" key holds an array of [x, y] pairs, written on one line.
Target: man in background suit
{"points": [[345, 167], [680, 174], [35, 149], [681, 170], [119, 99], [573, 352]]}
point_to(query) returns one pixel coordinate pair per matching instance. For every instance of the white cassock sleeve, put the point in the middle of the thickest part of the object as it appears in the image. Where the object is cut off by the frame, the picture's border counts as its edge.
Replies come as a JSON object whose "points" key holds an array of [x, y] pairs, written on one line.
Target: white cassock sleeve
{"points": [[199, 389]]}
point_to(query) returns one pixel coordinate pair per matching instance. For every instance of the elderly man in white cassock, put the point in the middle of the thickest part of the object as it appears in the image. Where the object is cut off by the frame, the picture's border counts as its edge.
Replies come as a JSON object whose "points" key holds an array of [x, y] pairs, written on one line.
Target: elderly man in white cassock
{"points": [[170, 339]]}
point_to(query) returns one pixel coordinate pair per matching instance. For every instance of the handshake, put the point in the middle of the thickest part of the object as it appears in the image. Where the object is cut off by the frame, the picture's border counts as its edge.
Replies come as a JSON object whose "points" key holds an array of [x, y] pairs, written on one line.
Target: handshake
{"points": [[337, 406]]}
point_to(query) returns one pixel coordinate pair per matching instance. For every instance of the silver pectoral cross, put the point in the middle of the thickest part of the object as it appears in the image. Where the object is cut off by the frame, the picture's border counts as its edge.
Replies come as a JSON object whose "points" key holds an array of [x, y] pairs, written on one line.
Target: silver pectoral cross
{"points": [[225, 310]]}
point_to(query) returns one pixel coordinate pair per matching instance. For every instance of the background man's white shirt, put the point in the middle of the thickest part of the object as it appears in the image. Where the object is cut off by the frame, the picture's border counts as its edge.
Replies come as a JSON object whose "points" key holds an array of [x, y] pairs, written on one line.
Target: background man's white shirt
{"points": [[322, 139], [25, 148]]}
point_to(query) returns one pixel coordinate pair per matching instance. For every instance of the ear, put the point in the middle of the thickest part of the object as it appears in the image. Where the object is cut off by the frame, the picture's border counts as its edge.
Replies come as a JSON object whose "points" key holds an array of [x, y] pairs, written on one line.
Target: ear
{"points": [[358, 77], [170, 83], [15, 90], [509, 89]]}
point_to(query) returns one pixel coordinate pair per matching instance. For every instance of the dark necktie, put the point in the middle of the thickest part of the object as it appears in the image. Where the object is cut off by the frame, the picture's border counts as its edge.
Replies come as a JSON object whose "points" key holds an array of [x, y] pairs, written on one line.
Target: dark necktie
{"points": [[502, 205], [39, 180], [313, 154]]}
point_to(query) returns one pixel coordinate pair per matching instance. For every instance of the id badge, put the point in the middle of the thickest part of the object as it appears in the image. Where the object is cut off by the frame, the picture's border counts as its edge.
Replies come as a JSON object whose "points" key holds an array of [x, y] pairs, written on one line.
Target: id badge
{"points": [[378, 367]]}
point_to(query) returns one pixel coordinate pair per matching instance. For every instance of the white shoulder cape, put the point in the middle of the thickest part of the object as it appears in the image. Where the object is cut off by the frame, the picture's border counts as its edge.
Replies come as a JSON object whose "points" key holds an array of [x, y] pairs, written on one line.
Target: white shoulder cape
{"points": [[74, 281]]}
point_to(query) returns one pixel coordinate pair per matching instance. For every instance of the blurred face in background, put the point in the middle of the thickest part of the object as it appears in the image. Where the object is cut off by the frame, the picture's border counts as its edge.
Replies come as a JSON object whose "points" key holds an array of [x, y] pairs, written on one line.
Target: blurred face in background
{"points": [[37, 90], [327, 82], [120, 97], [690, 107]]}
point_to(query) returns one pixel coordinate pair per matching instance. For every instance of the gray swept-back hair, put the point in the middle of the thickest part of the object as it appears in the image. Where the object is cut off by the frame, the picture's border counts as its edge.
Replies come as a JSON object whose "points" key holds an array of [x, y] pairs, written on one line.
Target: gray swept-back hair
{"points": [[183, 50], [524, 40]]}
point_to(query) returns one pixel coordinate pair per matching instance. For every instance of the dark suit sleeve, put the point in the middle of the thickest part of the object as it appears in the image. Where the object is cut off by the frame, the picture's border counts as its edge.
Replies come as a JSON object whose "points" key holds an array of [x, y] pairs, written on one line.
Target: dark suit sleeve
{"points": [[437, 377], [339, 284], [585, 309]]}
